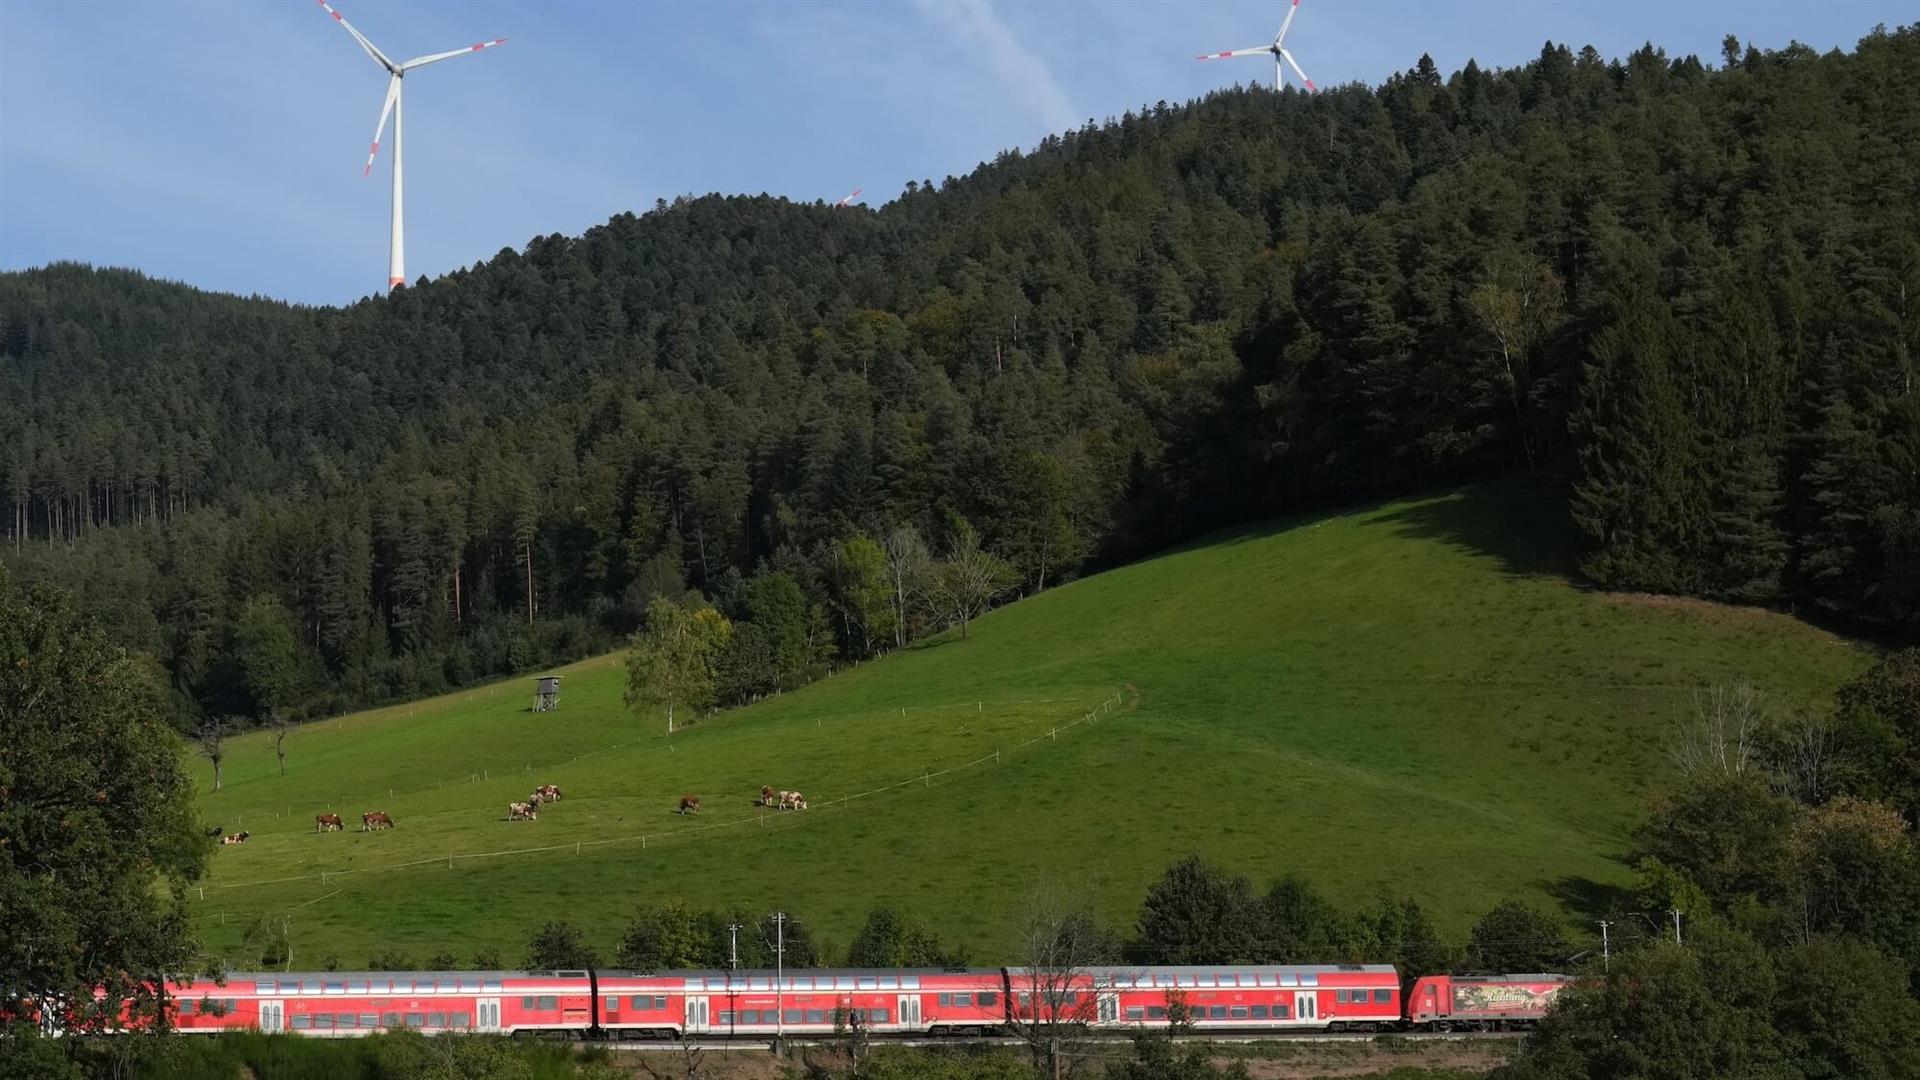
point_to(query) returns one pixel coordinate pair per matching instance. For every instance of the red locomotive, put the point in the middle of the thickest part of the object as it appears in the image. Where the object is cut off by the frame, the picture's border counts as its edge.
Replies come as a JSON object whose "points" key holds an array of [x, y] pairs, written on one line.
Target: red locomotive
{"points": [[762, 1004]]}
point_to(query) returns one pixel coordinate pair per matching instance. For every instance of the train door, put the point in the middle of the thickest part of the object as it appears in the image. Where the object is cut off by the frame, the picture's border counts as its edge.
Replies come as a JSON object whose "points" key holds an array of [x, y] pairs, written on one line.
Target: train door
{"points": [[909, 1011], [696, 1014], [487, 1013], [272, 1016], [1306, 1005], [1108, 1011]]}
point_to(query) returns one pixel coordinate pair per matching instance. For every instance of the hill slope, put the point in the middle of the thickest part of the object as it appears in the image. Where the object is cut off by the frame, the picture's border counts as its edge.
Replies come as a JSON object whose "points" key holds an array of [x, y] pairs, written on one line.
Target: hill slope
{"points": [[1694, 282], [1405, 695]]}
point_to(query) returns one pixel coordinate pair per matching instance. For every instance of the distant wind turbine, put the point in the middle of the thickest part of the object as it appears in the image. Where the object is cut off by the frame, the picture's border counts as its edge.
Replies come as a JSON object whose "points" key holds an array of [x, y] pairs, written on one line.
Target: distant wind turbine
{"points": [[1282, 59], [848, 201], [396, 258]]}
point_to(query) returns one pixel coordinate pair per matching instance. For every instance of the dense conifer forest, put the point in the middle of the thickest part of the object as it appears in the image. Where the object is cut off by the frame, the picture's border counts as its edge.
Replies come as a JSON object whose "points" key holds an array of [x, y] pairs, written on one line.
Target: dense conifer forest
{"points": [[1689, 288]]}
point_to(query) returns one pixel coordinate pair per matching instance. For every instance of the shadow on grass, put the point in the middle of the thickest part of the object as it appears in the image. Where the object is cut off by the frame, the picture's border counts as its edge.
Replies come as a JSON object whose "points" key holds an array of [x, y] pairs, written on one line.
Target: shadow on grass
{"points": [[1520, 521], [1589, 898]]}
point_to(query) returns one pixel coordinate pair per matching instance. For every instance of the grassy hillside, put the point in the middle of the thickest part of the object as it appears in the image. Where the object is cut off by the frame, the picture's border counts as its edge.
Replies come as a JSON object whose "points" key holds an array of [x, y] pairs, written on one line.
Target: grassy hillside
{"points": [[1406, 695]]}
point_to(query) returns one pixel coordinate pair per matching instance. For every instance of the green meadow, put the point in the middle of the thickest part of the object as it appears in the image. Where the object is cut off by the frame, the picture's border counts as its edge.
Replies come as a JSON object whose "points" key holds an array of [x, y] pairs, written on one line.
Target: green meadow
{"points": [[1411, 696]]}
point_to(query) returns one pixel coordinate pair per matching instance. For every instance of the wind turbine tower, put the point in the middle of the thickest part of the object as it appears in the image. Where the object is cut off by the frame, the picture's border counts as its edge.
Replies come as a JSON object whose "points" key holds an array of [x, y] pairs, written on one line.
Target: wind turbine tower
{"points": [[1282, 59], [396, 73]]}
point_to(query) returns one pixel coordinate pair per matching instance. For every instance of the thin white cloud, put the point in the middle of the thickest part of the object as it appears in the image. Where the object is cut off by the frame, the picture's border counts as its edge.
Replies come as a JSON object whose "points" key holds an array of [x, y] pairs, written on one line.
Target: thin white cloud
{"points": [[975, 24]]}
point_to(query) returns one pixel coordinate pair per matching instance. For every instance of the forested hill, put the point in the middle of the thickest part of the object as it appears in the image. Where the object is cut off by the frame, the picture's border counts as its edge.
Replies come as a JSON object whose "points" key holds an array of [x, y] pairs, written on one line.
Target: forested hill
{"points": [[1692, 288]]}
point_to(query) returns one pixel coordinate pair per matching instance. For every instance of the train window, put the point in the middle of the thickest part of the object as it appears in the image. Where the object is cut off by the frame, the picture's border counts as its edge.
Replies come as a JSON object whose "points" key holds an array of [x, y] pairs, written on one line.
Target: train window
{"points": [[1163, 980], [378, 986], [660, 1002], [1340, 997], [186, 1007], [726, 1017], [369, 1020], [1309, 978], [790, 1016], [1280, 1012], [1070, 998], [390, 1019], [843, 982], [877, 1016], [695, 984], [448, 986], [1269, 979], [460, 1020], [356, 986], [946, 1000], [868, 982], [469, 986], [963, 1001], [1135, 1012], [1382, 997], [527, 1002], [988, 998], [803, 984], [1184, 980], [816, 1016], [1203, 980], [638, 1002], [1156, 1012], [301, 1021], [613, 1003], [436, 1020], [889, 982], [909, 982], [401, 986], [1217, 1012], [265, 987], [323, 1021], [1289, 980], [1259, 1012], [1025, 998], [716, 984], [490, 986], [549, 1001], [1237, 1012], [758, 984], [310, 986]]}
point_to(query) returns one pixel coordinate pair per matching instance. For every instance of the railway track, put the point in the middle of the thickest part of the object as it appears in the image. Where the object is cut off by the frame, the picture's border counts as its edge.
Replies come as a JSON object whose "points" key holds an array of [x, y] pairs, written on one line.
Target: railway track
{"points": [[750, 1044]]}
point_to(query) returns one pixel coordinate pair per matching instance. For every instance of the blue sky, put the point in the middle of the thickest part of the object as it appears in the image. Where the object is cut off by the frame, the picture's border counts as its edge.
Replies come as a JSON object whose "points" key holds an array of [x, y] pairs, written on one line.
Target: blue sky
{"points": [[221, 143]]}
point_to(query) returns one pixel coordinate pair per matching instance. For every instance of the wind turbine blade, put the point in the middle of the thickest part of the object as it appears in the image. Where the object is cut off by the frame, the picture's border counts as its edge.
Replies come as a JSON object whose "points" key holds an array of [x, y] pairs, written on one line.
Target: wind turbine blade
{"points": [[393, 93], [378, 56], [423, 61], [1257, 50], [1282, 35], [849, 199], [1295, 65]]}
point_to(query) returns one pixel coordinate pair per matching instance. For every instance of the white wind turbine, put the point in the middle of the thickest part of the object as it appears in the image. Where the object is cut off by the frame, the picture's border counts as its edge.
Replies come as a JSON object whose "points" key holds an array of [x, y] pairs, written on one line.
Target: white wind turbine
{"points": [[1282, 59], [848, 201], [396, 258]]}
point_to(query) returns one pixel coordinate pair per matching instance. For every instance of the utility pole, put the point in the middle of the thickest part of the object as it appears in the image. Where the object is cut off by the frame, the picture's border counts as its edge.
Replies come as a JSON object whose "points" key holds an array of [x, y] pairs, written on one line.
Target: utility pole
{"points": [[1606, 955], [733, 946], [1675, 912], [779, 974]]}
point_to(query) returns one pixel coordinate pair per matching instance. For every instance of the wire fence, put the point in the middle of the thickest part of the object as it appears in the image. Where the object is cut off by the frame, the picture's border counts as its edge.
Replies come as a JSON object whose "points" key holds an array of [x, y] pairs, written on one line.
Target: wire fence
{"points": [[656, 839]]}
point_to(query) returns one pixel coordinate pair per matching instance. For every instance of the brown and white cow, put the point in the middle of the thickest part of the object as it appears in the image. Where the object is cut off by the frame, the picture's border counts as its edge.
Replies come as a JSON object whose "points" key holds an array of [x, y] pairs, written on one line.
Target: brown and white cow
{"points": [[236, 838], [548, 792], [792, 800], [327, 823], [520, 811], [689, 804], [375, 819], [766, 796]]}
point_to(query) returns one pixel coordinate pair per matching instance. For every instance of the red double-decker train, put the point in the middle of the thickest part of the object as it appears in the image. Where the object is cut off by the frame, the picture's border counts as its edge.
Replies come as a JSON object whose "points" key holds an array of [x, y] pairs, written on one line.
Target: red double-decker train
{"points": [[761, 1004]]}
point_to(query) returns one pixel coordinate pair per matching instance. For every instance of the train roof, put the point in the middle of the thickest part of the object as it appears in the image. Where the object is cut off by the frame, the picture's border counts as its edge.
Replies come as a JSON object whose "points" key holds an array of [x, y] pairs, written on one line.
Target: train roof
{"points": [[722, 973]]}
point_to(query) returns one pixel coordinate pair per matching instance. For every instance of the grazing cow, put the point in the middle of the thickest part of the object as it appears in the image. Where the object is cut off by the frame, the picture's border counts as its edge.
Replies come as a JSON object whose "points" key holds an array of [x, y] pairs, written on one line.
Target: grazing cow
{"points": [[799, 801], [548, 792], [534, 800], [236, 838], [375, 819], [327, 823], [766, 796], [792, 800], [216, 832], [689, 804], [520, 811]]}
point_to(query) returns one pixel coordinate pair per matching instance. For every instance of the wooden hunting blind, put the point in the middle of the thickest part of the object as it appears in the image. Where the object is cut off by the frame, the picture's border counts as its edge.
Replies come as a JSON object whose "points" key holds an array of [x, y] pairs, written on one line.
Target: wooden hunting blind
{"points": [[546, 694]]}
